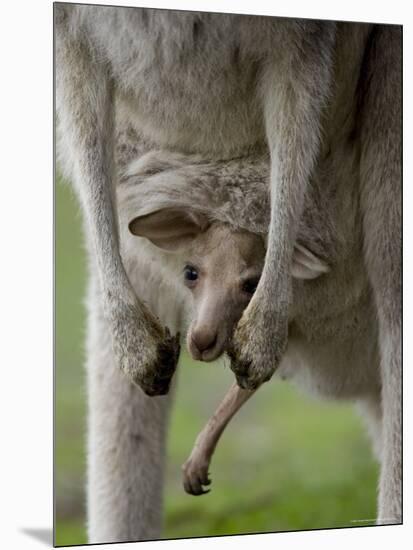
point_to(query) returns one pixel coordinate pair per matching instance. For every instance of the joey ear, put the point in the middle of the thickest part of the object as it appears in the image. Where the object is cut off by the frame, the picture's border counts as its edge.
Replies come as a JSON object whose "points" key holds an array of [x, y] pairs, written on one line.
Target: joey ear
{"points": [[306, 265], [171, 228]]}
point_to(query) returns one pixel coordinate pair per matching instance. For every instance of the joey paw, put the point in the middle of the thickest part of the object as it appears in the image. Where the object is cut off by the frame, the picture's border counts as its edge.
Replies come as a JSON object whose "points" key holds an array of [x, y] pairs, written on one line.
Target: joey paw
{"points": [[195, 476]]}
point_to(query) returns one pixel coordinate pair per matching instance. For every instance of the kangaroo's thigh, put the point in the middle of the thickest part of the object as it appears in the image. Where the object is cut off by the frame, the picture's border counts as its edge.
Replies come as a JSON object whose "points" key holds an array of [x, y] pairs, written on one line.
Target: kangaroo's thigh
{"points": [[126, 445], [370, 410], [380, 127]]}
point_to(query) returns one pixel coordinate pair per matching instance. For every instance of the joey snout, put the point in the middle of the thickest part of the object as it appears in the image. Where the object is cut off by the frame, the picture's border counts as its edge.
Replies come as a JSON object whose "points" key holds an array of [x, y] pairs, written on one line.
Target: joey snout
{"points": [[213, 325], [205, 342]]}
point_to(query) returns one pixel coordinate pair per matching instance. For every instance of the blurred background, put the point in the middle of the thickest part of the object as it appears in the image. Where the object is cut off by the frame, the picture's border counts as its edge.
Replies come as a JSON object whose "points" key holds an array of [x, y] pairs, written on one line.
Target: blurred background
{"points": [[286, 461]]}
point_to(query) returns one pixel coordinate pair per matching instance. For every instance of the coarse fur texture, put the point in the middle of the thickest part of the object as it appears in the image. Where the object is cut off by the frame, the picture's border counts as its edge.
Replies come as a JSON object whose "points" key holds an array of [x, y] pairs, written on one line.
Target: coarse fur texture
{"points": [[343, 327], [326, 111], [195, 83]]}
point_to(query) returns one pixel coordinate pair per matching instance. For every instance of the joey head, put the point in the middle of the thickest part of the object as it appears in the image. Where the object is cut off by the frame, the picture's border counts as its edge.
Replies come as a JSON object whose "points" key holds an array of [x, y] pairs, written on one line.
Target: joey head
{"points": [[221, 269]]}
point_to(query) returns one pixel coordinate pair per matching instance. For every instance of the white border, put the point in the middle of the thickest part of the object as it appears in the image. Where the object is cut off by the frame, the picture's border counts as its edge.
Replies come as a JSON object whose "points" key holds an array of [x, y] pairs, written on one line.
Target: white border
{"points": [[26, 268]]}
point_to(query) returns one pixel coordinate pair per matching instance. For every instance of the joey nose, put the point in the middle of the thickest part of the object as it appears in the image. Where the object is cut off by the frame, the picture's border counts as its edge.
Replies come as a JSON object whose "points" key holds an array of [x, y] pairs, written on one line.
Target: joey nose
{"points": [[204, 339]]}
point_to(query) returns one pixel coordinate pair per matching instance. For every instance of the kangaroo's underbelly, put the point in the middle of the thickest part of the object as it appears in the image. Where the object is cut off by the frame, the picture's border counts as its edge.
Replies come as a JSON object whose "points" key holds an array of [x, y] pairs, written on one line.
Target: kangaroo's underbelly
{"points": [[342, 364], [194, 123], [189, 81], [195, 82]]}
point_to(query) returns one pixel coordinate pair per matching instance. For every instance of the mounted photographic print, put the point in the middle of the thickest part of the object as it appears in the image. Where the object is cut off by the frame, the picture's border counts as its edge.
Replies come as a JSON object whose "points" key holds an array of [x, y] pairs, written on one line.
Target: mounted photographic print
{"points": [[228, 274]]}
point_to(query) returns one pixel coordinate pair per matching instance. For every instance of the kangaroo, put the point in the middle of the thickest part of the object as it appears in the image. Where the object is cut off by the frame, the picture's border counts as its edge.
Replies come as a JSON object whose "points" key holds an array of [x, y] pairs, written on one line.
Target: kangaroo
{"points": [[323, 98]]}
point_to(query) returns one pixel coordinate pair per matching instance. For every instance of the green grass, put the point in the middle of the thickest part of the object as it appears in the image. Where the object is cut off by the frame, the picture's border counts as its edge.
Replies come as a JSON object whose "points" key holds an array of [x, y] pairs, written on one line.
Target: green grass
{"points": [[286, 462]]}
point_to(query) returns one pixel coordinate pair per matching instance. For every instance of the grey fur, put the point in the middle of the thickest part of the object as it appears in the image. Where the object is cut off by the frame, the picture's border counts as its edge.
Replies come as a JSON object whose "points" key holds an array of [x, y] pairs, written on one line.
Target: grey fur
{"points": [[323, 101]]}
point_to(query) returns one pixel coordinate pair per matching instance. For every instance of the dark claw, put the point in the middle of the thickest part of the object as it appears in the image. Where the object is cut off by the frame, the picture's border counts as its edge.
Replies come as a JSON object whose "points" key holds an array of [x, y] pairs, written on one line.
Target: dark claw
{"points": [[195, 486], [187, 487], [158, 387], [206, 481], [200, 491], [242, 370], [247, 383], [239, 367], [168, 354], [242, 382]]}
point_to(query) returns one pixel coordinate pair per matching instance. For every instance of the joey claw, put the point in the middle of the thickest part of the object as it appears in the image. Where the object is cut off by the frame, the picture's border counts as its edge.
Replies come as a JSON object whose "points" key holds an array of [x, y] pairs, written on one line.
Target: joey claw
{"points": [[195, 476], [194, 487], [207, 481], [204, 478], [198, 490]]}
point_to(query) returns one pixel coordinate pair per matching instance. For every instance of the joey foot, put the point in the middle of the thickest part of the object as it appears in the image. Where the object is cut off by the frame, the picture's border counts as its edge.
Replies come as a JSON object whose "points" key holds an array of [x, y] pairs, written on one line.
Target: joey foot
{"points": [[147, 353], [195, 474], [195, 469], [258, 343]]}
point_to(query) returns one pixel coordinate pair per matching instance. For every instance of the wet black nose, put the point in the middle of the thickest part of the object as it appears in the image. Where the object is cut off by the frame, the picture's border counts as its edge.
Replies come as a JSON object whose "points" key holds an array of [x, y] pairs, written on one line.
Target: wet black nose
{"points": [[204, 339]]}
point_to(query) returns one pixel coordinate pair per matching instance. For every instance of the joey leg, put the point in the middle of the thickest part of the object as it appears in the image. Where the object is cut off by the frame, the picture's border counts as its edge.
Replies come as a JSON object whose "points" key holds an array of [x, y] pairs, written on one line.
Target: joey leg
{"points": [[196, 468]]}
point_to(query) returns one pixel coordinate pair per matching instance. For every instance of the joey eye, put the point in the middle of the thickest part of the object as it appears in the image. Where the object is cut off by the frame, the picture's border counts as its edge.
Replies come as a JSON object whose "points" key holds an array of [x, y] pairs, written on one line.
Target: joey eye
{"points": [[250, 286], [190, 273]]}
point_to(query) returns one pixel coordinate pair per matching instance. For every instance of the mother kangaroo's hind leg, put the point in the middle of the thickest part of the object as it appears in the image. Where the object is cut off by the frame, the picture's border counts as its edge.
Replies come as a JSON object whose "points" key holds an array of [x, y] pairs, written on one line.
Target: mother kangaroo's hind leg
{"points": [[380, 170]]}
